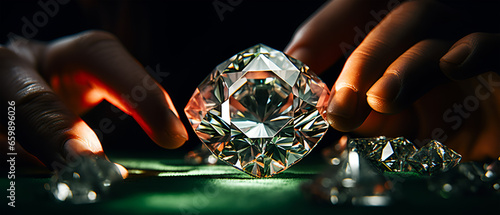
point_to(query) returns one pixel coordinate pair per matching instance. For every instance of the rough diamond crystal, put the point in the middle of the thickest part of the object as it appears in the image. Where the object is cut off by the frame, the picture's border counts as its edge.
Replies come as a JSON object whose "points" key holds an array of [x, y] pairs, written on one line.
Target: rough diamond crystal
{"points": [[260, 111]]}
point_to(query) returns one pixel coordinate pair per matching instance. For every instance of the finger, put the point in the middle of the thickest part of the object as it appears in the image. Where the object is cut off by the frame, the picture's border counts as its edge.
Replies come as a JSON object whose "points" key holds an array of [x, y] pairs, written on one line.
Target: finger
{"points": [[472, 55], [330, 32], [100, 65], [409, 77], [400, 30], [45, 127]]}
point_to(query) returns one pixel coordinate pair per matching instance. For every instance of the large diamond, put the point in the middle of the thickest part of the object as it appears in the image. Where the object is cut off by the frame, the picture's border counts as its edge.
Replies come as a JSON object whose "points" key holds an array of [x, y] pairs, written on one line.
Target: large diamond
{"points": [[434, 157], [260, 111]]}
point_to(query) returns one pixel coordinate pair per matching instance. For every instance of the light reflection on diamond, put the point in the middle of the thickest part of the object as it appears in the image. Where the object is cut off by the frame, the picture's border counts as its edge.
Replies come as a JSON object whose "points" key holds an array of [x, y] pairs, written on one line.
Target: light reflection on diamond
{"points": [[400, 155], [63, 191], [260, 111], [434, 157], [92, 195]]}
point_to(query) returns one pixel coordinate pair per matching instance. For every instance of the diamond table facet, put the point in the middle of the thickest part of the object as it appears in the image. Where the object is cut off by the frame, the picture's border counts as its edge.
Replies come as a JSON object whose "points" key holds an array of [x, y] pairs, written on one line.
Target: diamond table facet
{"points": [[260, 111]]}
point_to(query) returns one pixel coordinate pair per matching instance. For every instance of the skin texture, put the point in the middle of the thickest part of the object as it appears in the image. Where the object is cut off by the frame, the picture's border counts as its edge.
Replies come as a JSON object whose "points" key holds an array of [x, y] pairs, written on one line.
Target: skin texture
{"points": [[52, 84], [410, 70]]}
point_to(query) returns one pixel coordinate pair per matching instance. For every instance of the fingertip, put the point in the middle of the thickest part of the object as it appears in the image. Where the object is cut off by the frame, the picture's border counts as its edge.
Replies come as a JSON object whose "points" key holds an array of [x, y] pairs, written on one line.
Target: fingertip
{"points": [[79, 147], [343, 103], [173, 134], [342, 109], [302, 54], [122, 169], [341, 123]]}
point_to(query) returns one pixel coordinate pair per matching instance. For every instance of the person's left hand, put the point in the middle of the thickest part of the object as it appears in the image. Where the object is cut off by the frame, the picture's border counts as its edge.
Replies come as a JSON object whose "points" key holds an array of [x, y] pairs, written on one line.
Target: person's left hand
{"points": [[51, 84]]}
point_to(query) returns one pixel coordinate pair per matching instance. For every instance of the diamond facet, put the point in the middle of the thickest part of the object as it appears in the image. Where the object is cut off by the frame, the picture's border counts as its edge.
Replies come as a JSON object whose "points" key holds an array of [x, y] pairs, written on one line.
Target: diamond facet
{"points": [[386, 154], [86, 180], [260, 111], [434, 157], [352, 181]]}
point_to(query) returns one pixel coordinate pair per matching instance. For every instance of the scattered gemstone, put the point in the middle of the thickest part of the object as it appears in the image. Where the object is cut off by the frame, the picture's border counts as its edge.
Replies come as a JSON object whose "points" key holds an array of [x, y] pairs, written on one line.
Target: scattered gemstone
{"points": [[334, 153], [386, 154], [260, 111], [88, 179], [352, 182], [364, 145], [434, 157], [201, 155], [466, 179]]}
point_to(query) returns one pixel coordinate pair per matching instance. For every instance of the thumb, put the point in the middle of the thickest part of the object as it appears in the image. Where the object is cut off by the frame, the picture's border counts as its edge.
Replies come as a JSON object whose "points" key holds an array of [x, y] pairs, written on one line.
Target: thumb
{"points": [[472, 55]]}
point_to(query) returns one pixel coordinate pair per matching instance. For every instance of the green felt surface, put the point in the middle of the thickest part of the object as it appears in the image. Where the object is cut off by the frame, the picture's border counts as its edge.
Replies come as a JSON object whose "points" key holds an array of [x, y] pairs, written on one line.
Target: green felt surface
{"points": [[168, 186]]}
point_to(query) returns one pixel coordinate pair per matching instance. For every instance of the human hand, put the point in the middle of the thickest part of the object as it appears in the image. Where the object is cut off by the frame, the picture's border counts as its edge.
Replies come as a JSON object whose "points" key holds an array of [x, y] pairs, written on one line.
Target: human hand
{"points": [[397, 81], [52, 84]]}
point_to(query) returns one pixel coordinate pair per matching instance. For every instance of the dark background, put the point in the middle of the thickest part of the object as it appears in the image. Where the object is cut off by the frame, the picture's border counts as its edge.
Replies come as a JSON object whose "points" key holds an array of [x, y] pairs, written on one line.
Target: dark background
{"points": [[187, 39]]}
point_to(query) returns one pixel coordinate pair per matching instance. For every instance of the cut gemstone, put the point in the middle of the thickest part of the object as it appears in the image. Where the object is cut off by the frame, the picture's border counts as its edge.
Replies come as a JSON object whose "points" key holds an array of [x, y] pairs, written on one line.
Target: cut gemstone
{"points": [[470, 178], [386, 154], [88, 179], [260, 111], [352, 181], [364, 145], [434, 157]]}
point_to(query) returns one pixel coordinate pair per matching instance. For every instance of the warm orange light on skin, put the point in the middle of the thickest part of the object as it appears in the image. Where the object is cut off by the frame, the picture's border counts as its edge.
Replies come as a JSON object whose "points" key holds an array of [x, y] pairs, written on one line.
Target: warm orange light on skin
{"points": [[83, 141], [93, 96], [55, 83], [169, 101], [123, 170], [96, 91]]}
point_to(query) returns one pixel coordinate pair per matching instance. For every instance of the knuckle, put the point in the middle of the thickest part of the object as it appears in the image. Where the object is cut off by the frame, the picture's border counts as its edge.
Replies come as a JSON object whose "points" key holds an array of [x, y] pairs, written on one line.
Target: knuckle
{"points": [[43, 114], [95, 36], [92, 38], [369, 52], [96, 42]]}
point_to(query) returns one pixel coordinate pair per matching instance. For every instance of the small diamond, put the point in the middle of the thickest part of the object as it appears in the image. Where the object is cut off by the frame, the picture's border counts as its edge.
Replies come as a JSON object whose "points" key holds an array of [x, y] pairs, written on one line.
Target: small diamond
{"points": [[365, 145], [260, 111], [466, 179], [434, 157], [353, 181], [86, 180], [386, 154]]}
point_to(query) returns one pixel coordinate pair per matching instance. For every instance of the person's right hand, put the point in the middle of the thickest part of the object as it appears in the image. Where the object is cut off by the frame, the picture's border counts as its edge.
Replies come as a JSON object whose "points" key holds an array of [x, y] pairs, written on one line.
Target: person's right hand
{"points": [[52, 84], [411, 75]]}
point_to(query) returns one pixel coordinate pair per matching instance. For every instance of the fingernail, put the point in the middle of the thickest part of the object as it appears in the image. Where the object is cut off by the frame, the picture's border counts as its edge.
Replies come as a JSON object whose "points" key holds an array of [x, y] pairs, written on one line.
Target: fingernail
{"points": [[301, 54], [76, 147], [386, 88], [457, 55], [122, 169], [343, 103]]}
